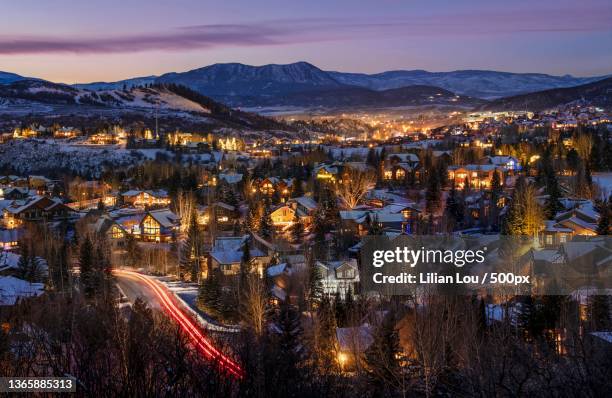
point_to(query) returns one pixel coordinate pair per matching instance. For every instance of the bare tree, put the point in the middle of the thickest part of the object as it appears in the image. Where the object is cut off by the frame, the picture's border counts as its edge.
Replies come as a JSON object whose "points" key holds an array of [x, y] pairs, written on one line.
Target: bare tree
{"points": [[354, 185], [185, 208]]}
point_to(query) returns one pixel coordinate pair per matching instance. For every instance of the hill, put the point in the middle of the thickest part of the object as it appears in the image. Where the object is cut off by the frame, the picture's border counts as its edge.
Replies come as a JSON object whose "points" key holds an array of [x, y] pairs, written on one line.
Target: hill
{"points": [[598, 93], [165, 100]]}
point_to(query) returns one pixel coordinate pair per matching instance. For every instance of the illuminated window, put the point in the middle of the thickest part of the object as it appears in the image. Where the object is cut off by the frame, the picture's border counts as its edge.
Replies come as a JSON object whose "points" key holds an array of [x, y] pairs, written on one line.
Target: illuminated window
{"points": [[151, 227]]}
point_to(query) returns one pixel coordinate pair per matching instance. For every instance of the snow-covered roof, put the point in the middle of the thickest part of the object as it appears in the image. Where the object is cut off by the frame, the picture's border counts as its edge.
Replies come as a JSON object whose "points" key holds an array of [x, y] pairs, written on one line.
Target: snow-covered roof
{"points": [[165, 217], [355, 339], [12, 289], [306, 201], [276, 270], [231, 178]]}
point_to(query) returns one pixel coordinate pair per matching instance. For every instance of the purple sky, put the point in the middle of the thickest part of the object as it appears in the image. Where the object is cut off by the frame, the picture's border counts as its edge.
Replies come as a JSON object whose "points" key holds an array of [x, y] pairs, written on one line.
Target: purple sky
{"points": [[80, 41]]}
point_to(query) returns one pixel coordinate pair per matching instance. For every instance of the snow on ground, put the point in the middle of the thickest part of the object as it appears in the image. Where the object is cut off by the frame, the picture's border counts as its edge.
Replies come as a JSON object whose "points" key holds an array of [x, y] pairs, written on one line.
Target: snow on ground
{"points": [[187, 293], [12, 289], [604, 181]]}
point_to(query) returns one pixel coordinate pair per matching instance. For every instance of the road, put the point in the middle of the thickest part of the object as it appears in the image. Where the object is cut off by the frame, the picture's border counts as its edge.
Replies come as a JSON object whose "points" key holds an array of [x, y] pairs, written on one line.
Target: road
{"points": [[135, 285]]}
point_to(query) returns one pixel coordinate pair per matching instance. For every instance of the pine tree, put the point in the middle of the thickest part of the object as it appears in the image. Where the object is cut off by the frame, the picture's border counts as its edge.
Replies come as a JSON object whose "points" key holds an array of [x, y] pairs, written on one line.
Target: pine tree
{"points": [[265, 226], [382, 358], [86, 258], [326, 335], [190, 251], [603, 226], [253, 217], [297, 189], [297, 229], [209, 294], [315, 284], [290, 348], [28, 267]]}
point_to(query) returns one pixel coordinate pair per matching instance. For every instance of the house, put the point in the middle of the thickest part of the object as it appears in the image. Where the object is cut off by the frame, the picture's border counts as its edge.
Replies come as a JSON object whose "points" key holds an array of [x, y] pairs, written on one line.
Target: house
{"points": [[477, 175], [227, 252], [282, 216], [33, 209], [581, 220], [9, 238], [230, 178], [305, 207], [338, 277], [146, 198], [358, 222], [225, 215], [326, 173], [66, 132], [159, 225], [508, 163]]}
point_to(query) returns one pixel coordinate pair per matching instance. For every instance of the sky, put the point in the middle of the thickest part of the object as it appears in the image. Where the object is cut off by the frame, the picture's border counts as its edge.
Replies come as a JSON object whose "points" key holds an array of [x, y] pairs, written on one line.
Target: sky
{"points": [[84, 41]]}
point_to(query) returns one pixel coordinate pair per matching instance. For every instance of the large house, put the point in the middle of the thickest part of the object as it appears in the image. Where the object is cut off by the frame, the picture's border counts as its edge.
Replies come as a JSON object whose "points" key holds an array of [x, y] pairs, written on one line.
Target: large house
{"points": [[339, 276], [37, 208], [282, 216], [477, 175], [151, 226], [227, 252], [146, 198]]}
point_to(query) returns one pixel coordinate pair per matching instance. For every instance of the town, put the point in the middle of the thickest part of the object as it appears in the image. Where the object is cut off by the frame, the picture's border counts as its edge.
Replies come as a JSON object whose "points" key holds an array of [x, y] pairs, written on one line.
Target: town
{"points": [[262, 234]]}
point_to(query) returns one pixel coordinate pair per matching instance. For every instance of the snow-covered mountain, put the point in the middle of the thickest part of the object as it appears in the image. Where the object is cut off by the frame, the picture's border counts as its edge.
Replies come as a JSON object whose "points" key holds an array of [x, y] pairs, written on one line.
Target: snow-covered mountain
{"points": [[229, 82], [474, 83], [596, 93], [166, 100], [7, 77], [245, 85]]}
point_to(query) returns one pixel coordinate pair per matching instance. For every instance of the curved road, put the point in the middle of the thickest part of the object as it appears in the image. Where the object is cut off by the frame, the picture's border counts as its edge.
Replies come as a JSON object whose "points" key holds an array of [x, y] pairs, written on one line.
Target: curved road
{"points": [[135, 285]]}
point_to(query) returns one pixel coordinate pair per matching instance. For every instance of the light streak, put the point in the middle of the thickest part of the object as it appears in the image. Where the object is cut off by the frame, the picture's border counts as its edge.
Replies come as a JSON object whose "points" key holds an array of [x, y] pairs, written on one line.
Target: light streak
{"points": [[186, 323]]}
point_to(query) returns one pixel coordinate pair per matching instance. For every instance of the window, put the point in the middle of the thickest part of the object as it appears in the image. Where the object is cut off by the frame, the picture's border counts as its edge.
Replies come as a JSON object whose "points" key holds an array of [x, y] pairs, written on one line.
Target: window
{"points": [[151, 227], [549, 239], [563, 238]]}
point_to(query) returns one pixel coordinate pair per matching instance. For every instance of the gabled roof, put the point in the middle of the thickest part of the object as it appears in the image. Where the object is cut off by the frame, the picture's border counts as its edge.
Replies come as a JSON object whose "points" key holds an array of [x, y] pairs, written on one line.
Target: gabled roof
{"points": [[165, 217], [306, 201]]}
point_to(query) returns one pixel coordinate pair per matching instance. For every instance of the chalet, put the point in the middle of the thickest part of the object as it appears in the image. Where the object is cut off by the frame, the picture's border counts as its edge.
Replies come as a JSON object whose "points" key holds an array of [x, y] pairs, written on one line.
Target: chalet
{"points": [[227, 252], [160, 225], [477, 175], [338, 277], [327, 173], [358, 222], [508, 163], [146, 198], [225, 215], [34, 209], [582, 220], [396, 171], [230, 178], [305, 206], [17, 193], [282, 216], [9, 238]]}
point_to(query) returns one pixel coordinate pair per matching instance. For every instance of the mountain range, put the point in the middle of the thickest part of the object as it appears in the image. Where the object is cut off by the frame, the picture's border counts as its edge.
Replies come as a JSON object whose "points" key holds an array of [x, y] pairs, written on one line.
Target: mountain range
{"points": [[238, 84], [304, 85]]}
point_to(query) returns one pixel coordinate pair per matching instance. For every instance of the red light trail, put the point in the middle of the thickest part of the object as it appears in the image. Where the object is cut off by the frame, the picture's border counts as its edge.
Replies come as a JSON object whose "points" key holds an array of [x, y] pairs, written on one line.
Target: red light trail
{"points": [[187, 324]]}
